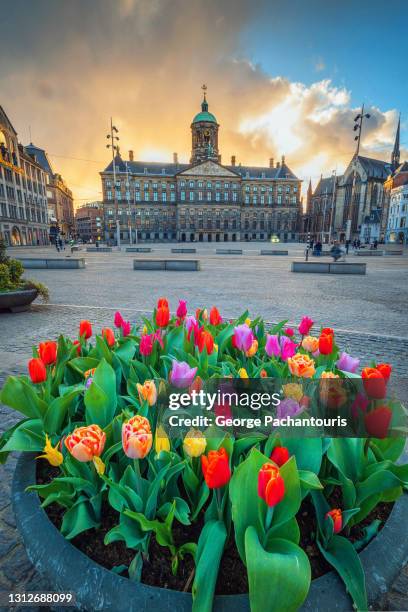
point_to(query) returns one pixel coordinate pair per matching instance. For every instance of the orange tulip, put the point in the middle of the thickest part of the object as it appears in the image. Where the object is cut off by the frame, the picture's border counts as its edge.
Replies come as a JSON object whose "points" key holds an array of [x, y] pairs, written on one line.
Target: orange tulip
{"points": [[37, 370], [374, 383], [85, 329], [301, 365], [206, 340], [86, 443], [108, 335], [385, 370], [137, 437], [162, 316], [337, 519], [147, 392], [48, 352], [215, 317], [216, 469], [271, 486], [162, 303]]}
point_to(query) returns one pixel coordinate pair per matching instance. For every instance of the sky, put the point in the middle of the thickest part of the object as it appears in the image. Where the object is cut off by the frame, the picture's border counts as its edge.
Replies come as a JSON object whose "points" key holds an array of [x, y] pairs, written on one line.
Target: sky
{"points": [[283, 78]]}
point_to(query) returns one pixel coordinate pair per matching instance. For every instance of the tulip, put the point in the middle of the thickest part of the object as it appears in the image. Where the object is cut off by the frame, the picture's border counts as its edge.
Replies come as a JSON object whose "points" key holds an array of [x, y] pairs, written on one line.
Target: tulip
{"points": [[51, 453], [194, 443], [206, 340], [243, 337], [293, 391], [162, 303], [325, 344], [126, 328], [196, 385], [161, 441], [181, 311], [88, 382], [118, 319], [48, 352], [181, 374], [289, 331], [263, 374], [242, 373], [333, 393], [108, 335], [146, 345], [272, 346], [90, 372], [385, 370], [374, 383], [37, 370], [288, 407], [377, 421], [271, 486], [137, 437], [347, 363], [216, 469], [147, 392], [85, 443], [305, 325], [190, 323], [327, 331], [78, 346], [337, 519], [254, 348], [215, 317], [280, 347], [360, 404], [85, 329], [280, 455], [301, 365], [162, 316], [310, 344]]}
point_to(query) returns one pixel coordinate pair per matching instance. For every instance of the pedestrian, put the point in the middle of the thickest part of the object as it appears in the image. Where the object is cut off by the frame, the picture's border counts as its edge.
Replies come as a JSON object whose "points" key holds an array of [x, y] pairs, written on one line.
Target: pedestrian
{"points": [[336, 251], [307, 252], [57, 243], [375, 244], [318, 248], [347, 246]]}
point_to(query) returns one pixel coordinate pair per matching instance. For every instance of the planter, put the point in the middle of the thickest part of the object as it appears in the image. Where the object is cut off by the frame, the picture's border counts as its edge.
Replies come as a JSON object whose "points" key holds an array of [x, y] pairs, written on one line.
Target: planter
{"points": [[17, 301], [97, 588]]}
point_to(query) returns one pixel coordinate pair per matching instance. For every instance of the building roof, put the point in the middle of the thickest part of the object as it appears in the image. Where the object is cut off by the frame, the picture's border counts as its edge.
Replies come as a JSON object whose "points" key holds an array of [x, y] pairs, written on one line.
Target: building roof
{"points": [[374, 217], [170, 169], [204, 115], [40, 157], [375, 168]]}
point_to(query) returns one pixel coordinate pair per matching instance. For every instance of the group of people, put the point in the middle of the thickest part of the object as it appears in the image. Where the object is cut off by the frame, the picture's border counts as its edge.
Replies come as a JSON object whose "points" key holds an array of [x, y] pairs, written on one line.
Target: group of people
{"points": [[337, 251]]}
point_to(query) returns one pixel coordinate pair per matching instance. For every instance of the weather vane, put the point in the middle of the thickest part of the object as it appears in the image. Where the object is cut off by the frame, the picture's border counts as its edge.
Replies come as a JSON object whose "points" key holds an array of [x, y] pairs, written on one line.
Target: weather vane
{"points": [[204, 88]]}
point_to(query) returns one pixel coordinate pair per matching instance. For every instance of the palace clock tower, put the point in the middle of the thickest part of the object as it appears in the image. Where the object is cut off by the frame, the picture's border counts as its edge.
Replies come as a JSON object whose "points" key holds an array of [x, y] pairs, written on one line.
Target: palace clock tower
{"points": [[204, 132]]}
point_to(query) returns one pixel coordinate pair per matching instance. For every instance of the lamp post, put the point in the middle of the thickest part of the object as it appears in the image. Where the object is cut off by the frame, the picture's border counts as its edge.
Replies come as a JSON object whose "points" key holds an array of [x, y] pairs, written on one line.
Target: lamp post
{"points": [[115, 149], [358, 124], [128, 203]]}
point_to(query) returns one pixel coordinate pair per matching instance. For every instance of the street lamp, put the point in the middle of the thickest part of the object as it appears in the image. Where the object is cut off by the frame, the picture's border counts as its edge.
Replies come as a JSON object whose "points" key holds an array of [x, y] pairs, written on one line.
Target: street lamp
{"points": [[358, 124], [115, 149]]}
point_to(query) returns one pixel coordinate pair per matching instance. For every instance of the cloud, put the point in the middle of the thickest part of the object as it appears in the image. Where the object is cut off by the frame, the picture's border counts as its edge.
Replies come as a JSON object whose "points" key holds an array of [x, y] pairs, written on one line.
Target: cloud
{"points": [[143, 62]]}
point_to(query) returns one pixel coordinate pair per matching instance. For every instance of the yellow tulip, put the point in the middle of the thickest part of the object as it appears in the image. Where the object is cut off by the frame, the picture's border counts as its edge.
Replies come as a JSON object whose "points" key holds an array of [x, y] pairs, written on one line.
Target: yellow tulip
{"points": [[248, 322], [52, 454], [293, 391], [243, 373], [161, 441], [194, 443]]}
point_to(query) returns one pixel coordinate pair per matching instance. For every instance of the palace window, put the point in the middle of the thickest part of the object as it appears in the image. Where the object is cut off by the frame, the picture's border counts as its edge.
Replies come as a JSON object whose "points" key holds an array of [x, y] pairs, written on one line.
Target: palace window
{"points": [[137, 196], [164, 196], [279, 199], [269, 199], [226, 185], [146, 186], [217, 196], [182, 195], [191, 184], [279, 188], [208, 196], [109, 195], [200, 195], [262, 199], [234, 185], [255, 199], [155, 196], [247, 188], [200, 184], [108, 183], [217, 185], [182, 183], [226, 196], [172, 197], [255, 189], [293, 199], [154, 185], [208, 185], [295, 189], [191, 196], [128, 195], [247, 199], [287, 188], [234, 196], [137, 185]]}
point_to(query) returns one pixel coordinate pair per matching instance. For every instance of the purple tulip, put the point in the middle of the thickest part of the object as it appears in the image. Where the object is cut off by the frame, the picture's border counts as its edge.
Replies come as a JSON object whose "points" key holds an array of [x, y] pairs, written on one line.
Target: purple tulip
{"points": [[288, 408], [347, 363], [243, 337], [181, 374], [280, 347]]}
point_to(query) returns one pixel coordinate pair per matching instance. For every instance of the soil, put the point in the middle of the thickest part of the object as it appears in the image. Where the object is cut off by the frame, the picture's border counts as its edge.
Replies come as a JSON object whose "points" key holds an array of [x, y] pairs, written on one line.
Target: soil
{"points": [[232, 576]]}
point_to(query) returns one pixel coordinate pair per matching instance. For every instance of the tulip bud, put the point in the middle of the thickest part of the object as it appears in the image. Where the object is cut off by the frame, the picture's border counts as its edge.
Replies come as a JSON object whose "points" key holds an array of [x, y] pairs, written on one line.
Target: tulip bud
{"points": [[52, 454], [216, 469], [337, 519], [108, 335], [37, 370], [280, 455], [271, 486], [85, 329], [147, 392]]}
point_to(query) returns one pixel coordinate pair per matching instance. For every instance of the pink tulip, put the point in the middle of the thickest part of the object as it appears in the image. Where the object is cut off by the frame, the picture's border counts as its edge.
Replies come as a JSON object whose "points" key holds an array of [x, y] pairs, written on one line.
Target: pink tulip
{"points": [[305, 326], [126, 328], [243, 337], [181, 311], [280, 347], [146, 345], [118, 320], [272, 346], [181, 374], [289, 331], [347, 363]]}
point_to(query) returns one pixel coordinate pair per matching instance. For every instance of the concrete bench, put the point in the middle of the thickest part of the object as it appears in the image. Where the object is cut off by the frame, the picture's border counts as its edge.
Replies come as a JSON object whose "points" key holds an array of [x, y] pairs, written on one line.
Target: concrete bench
{"points": [[52, 264], [328, 268], [394, 252], [369, 253], [180, 250], [274, 252], [138, 250], [182, 265], [228, 252], [99, 249]]}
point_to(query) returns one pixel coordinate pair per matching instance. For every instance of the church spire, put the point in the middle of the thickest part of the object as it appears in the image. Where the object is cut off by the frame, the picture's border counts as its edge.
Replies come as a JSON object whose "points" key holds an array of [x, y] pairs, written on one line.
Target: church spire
{"points": [[395, 157]]}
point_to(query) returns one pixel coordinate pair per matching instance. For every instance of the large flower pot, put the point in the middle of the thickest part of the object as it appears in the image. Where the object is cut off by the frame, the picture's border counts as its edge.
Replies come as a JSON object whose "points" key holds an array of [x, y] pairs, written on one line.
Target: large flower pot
{"points": [[96, 588], [17, 301]]}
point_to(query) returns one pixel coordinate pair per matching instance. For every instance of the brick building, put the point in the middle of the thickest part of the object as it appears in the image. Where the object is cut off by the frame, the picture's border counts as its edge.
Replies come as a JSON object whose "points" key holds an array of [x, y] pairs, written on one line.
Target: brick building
{"points": [[89, 222], [204, 200]]}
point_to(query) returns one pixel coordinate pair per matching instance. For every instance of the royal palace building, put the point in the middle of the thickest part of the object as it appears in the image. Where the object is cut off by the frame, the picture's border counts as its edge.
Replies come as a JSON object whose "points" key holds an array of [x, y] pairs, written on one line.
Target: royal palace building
{"points": [[23, 197], [203, 201]]}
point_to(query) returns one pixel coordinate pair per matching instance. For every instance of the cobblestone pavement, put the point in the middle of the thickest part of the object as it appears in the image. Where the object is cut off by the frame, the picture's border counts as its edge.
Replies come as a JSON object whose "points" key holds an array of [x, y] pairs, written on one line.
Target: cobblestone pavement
{"points": [[368, 314]]}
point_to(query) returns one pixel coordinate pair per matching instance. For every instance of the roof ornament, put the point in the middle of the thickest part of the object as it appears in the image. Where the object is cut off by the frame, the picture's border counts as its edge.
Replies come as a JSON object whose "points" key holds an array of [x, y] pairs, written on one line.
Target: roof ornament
{"points": [[204, 104]]}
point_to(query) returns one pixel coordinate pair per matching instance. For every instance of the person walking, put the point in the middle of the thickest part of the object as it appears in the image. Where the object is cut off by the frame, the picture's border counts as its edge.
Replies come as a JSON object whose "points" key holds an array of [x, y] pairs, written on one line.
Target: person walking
{"points": [[57, 243], [318, 248], [336, 251]]}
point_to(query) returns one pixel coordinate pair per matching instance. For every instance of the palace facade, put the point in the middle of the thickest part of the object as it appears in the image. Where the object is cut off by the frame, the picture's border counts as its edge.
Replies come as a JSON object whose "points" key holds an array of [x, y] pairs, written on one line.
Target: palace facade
{"points": [[204, 200]]}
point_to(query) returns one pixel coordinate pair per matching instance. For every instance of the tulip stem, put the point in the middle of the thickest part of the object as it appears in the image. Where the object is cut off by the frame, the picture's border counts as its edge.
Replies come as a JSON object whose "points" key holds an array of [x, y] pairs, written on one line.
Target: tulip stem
{"points": [[366, 446], [218, 499], [138, 476], [269, 517]]}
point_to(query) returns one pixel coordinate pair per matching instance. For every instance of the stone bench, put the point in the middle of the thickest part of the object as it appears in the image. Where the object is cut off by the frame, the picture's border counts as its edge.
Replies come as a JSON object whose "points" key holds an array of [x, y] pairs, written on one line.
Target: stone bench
{"points": [[369, 253], [138, 250], [182, 265], [394, 252], [274, 252], [52, 264], [180, 250], [328, 268], [228, 252], [99, 249]]}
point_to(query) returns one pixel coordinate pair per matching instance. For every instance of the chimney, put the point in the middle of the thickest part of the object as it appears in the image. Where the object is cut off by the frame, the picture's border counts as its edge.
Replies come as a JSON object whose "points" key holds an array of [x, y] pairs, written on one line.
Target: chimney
{"points": [[278, 164], [130, 155], [233, 160], [271, 162], [283, 159], [175, 158]]}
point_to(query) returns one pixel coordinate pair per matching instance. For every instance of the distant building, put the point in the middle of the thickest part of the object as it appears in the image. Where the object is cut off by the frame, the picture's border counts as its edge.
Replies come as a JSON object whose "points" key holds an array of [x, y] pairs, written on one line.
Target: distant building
{"points": [[203, 200], [320, 210], [23, 199], [397, 222], [89, 222], [59, 196]]}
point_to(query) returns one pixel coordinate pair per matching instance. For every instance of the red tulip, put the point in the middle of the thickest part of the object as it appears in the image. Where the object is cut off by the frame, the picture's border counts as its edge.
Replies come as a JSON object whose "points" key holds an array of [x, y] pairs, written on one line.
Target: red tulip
{"points": [[377, 421], [181, 311], [215, 317], [37, 370], [162, 303], [205, 339], [280, 455], [216, 469], [337, 519], [108, 335], [327, 331], [374, 383], [305, 326], [385, 370], [48, 352], [326, 344], [289, 331], [85, 329], [78, 346], [271, 486], [162, 316]]}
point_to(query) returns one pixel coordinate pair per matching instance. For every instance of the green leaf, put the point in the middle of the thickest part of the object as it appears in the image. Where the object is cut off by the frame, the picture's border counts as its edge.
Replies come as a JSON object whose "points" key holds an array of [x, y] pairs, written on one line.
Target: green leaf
{"points": [[100, 398], [279, 578], [308, 452], [286, 531], [103, 350], [28, 436], [309, 480], [341, 554], [207, 558], [77, 519], [57, 410], [347, 456], [19, 394]]}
